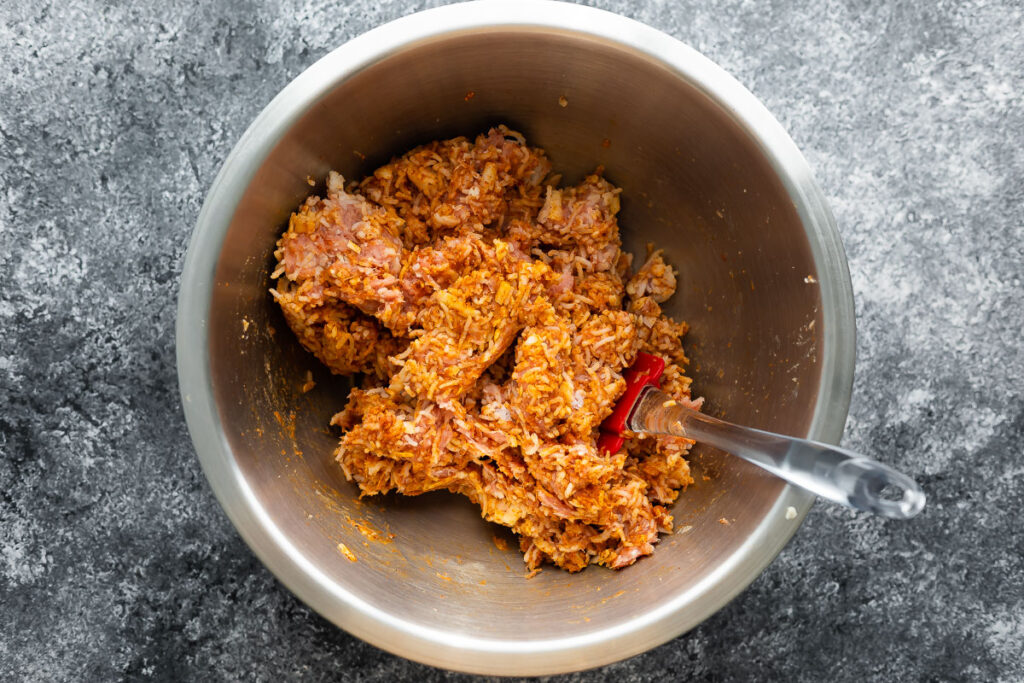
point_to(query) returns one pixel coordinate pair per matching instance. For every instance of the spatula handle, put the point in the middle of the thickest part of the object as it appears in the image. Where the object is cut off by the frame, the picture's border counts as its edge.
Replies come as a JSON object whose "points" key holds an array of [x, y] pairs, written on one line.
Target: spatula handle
{"points": [[831, 472]]}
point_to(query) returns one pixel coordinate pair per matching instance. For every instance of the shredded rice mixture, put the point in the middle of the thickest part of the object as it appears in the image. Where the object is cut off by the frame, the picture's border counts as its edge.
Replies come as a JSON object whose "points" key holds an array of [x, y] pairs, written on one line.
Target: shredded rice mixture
{"points": [[490, 313]]}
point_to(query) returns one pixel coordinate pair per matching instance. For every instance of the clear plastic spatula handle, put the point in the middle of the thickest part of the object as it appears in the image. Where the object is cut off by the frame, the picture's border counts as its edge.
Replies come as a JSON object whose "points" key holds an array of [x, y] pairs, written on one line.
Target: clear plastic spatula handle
{"points": [[833, 473]]}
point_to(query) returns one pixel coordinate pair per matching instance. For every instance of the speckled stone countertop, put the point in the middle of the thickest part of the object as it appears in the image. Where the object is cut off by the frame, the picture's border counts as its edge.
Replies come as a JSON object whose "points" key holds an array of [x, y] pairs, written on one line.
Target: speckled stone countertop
{"points": [[117, 562]]}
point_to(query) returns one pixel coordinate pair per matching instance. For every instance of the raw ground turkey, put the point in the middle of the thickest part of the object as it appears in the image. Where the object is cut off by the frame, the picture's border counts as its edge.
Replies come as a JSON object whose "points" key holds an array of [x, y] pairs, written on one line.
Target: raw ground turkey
{"points": [[490, 314]]}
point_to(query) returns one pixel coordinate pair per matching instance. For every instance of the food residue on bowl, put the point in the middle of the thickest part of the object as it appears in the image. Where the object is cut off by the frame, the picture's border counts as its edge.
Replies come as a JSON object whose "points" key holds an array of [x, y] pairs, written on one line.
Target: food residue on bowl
{"points": [[343, 549], [309, 384], [490, 313]]}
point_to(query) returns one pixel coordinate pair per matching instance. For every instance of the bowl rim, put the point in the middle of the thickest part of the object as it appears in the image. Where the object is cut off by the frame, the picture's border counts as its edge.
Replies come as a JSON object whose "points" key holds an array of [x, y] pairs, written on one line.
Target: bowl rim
{"points": [[462, 651]]}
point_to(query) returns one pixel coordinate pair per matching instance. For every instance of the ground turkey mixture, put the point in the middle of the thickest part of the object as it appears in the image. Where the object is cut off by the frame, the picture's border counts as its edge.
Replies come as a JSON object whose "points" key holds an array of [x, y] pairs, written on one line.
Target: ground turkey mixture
{"points": [[490, 314]]}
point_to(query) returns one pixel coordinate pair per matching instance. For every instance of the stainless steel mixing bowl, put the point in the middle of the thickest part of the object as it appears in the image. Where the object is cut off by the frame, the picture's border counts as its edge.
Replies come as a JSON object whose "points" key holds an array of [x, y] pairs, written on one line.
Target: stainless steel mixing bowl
{"points": [[706, 173]]}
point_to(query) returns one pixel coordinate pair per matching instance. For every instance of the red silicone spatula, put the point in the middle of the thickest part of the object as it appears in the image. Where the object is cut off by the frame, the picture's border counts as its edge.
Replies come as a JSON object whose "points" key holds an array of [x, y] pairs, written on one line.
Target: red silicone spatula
{"points": [[831, 472]]}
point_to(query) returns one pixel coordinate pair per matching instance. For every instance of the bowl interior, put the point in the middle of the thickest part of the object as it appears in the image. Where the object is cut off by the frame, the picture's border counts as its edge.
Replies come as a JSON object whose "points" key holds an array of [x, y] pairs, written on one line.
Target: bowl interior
{"points": [[694, 182]]}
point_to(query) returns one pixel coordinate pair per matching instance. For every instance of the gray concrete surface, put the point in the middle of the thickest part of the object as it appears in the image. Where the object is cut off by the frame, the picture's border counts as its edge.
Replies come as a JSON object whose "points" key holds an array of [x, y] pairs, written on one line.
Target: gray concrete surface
{"points": [[115, 560]]}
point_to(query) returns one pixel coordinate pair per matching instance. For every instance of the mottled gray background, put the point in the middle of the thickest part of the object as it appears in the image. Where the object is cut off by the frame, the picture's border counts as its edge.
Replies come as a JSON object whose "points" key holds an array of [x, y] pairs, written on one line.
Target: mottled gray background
{"points": [[115, 560]]}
